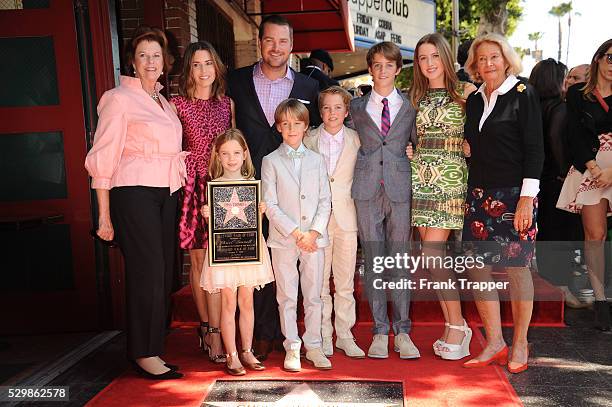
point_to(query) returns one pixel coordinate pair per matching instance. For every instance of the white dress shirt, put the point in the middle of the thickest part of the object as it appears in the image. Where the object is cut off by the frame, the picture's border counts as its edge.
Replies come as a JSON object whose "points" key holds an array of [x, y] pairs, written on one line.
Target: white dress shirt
{"points": [[375, 105], [330, 147], [297, 162], [531, 186]]}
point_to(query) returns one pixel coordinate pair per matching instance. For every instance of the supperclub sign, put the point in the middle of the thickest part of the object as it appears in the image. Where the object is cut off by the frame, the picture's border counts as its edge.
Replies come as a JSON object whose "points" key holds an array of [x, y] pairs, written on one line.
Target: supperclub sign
{"points": [[400, 21]]}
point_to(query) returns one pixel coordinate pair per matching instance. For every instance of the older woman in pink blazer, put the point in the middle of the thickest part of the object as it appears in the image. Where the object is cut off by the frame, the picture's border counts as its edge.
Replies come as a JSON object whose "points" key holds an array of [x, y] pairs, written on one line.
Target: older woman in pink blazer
{"points": [[137, 166]]}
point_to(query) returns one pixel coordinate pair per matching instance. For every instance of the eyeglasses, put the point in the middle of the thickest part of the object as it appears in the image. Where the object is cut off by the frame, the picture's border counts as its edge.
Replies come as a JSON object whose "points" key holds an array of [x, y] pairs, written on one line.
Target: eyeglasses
{"points": [[608, 58]]}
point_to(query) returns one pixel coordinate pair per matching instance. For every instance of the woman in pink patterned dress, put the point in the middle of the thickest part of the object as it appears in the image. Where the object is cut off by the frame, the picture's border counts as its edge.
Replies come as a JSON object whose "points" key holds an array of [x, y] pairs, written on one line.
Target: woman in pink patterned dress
{"points": [[205, 112]]}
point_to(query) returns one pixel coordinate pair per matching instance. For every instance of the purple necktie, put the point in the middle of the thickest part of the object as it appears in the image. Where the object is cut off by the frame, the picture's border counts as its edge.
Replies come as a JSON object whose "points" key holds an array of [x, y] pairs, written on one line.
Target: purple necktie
{"points": [[385, 119]]}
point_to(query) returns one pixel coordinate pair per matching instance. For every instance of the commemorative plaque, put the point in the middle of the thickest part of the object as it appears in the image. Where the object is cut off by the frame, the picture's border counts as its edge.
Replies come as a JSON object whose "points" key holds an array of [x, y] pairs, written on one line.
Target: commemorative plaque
{"points": [[234, 226]]}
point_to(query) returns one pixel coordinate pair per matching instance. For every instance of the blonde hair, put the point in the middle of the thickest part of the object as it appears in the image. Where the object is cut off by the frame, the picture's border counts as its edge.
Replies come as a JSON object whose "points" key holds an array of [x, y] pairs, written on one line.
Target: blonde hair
{"points": [[510, 56], [215, 169], [421, 83], [291, 107], [335, 90]]}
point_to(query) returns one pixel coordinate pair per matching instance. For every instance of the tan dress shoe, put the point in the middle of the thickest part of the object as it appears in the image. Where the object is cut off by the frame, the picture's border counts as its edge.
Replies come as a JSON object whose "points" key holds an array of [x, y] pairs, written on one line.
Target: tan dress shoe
{"points": [[403, 344], [318, 359], [379, 349], [350, 348], [328, 346]]}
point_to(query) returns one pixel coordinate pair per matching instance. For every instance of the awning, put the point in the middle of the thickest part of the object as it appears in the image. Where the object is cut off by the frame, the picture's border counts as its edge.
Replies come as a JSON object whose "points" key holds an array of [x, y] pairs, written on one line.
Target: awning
{"points": [[316, 23]]}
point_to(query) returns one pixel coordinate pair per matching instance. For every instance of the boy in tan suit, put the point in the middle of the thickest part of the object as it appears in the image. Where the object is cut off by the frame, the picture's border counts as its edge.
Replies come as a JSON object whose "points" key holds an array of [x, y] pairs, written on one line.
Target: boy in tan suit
{"points": [[338, 145]]}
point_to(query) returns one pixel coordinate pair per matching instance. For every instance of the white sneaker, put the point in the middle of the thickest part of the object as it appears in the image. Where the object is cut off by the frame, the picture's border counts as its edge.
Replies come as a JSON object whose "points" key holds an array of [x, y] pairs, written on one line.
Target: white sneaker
{"points": [[350, 348], [328, 346], [318, 359], [292, 361], [403, 344]]}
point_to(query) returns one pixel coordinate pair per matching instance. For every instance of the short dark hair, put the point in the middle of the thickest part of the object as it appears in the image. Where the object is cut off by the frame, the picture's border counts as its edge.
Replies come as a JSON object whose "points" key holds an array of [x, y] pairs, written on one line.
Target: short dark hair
{"points": [[387, 49], [462, 51], [547, 78], [277, 20], [152, 34]]}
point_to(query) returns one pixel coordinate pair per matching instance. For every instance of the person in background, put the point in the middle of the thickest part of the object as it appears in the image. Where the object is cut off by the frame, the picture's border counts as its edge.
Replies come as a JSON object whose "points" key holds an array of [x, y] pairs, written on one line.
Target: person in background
{"points": [[577, 74], [503, 130], [256, 91], [137, 167], [462, 55], [205, 112], [338, 145], [556, 228], [439, 175], [588, 186], [320, 68]]}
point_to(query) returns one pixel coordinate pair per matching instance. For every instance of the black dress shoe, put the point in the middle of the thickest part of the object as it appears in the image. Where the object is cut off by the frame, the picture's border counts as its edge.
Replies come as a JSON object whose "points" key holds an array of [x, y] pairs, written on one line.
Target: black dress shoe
{"points": [[171, 366], [602, 315], [169, 375], [261, 349]]}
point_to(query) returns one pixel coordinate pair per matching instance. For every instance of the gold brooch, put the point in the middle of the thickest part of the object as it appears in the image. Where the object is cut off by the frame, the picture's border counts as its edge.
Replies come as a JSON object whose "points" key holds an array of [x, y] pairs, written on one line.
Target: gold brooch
{"points": [[521, 88]]}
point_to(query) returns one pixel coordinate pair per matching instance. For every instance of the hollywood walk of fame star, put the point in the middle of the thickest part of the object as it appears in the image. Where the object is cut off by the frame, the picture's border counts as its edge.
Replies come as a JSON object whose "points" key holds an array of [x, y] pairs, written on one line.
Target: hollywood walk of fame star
{"points": [[234, 208], [301, 396]]}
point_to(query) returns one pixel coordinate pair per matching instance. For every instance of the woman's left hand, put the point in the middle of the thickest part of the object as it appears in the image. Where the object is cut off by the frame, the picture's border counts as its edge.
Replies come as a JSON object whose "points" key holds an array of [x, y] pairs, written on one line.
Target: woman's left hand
{"points": [[409, 151], [523, 217], [604, 178]]}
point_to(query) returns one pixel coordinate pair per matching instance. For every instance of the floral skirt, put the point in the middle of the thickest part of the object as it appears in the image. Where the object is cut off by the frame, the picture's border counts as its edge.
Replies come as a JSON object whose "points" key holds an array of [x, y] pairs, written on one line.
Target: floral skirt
{"points": [[579, 189], [488, 228]]}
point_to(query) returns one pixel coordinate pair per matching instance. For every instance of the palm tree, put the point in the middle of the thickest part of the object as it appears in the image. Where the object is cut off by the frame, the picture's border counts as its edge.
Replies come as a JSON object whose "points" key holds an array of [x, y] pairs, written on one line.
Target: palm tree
{"points": [[559, 11], [535, 37]]}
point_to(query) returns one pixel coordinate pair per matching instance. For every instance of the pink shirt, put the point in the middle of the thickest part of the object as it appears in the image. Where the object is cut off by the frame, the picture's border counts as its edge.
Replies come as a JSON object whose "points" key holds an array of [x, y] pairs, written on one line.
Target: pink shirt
{"points": [[136, 143], [330, 147], [271, 93]]}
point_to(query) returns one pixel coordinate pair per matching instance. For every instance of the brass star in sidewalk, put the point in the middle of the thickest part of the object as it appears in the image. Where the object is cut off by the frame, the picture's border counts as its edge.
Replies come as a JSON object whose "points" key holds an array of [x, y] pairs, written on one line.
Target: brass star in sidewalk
{"points": [[235, 208]]}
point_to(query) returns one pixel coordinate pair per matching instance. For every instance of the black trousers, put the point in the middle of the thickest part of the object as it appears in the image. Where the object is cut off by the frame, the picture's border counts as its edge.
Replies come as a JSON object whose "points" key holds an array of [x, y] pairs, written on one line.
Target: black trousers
{"points": [[267, 319], [144, 219], [559, 235]]}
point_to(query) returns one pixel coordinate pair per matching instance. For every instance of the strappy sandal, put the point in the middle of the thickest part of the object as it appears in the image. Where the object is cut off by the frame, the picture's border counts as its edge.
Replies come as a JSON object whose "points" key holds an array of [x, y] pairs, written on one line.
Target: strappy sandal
{"points": [[202, 336], [219, 358], [451, 351], [252, 366]]}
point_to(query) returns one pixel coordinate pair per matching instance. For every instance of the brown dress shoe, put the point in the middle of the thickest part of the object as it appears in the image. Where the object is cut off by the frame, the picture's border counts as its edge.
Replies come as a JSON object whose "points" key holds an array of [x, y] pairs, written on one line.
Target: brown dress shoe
{"points": [[261, 349]]}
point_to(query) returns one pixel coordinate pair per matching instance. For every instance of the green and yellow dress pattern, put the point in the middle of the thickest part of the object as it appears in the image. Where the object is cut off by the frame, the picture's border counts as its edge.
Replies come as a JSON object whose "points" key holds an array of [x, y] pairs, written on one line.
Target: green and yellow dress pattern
{"points": [[439, 170]]}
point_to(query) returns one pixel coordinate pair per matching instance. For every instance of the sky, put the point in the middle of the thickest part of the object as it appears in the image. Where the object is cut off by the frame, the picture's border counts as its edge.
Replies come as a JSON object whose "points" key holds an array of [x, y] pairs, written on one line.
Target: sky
{"points": [[589, 29]]}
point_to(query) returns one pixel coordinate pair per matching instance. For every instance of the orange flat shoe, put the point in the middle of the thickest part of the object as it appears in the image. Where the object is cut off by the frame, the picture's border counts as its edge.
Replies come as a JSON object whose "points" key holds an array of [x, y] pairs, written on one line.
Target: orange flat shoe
{"points": [[520, 368], [501, 358]]}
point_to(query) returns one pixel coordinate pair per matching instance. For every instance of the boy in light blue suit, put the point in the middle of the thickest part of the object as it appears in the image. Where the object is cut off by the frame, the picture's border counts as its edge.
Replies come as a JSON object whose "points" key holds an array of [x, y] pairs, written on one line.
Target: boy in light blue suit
{"points": [[298, 200]]}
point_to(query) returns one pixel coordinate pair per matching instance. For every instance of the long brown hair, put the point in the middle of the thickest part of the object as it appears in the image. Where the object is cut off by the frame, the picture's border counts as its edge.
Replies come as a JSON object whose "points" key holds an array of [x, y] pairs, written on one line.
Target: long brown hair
{"points": [[187, 85], [215, 169], [420, 85], [594, 69]]}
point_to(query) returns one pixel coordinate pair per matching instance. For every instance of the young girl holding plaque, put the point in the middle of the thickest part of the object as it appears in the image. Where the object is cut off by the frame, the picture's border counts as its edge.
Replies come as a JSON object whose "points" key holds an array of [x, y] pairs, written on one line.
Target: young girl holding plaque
{"points": [[231, 161]]}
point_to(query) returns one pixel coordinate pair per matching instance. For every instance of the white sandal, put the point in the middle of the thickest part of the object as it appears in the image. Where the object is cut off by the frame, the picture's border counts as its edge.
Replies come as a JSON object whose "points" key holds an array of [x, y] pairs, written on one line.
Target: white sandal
{"points": [[439, 343], [451, 351]]}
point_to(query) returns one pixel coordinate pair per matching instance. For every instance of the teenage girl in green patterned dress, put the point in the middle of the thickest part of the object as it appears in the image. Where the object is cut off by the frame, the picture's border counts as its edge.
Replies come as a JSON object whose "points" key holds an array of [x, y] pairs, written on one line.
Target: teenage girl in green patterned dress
{"points": [[439, 174]]}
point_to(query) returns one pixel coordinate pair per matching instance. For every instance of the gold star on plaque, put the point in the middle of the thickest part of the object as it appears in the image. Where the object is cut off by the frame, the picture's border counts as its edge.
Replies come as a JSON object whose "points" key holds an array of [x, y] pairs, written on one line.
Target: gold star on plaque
{"points": [[235, 208]]}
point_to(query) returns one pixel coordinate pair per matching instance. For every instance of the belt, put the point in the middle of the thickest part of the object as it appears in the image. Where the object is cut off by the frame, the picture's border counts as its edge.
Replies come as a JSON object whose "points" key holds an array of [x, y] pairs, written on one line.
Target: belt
{"points": [[178, 168]]}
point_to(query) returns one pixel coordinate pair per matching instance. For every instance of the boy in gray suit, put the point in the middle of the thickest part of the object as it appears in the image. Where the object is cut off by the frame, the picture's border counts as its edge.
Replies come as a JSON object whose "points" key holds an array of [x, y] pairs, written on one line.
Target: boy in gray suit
{"points": [[385, 122], [298, 198]]}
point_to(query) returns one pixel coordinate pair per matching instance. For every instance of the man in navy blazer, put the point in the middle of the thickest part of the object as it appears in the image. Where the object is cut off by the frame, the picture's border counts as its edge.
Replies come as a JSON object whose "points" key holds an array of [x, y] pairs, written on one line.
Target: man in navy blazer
{"points": [[257, 90]]}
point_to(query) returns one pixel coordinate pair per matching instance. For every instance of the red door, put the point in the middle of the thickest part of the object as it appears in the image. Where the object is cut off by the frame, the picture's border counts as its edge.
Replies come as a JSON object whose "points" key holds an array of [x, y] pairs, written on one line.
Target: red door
{"points": [[48, 280]]}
